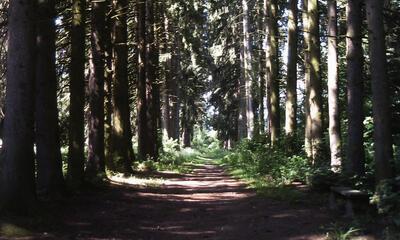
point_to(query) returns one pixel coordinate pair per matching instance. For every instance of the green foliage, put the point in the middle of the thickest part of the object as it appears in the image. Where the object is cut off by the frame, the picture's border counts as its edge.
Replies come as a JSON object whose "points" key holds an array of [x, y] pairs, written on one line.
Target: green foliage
{"points": [[369, 145], [337, 232], [391, 233], [387, 198], [172, 158], [257, 160], [323, 178], [205, 141], [283, 193], [175, 158]]}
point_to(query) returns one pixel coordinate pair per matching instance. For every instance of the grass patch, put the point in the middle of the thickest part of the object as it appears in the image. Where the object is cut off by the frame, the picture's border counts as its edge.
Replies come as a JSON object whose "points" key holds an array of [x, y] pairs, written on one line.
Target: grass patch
{"points": [[275, 183], [337, 232], [137, 181], [265, 188], [363, 226], [283, 194]]}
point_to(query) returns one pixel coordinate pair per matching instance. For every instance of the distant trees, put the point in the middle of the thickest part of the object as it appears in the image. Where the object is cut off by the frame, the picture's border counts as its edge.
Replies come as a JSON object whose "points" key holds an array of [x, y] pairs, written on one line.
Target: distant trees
{"points": [[344, 82]]}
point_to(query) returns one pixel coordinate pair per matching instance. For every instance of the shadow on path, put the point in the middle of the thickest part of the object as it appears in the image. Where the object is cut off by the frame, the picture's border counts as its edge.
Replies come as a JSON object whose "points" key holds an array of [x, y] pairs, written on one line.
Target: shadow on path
{"points": [[206, 204]]}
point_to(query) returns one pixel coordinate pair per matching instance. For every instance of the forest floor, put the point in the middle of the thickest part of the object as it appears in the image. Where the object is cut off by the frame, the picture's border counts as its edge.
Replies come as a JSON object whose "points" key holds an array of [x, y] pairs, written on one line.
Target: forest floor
{"points": [[204, 204]]}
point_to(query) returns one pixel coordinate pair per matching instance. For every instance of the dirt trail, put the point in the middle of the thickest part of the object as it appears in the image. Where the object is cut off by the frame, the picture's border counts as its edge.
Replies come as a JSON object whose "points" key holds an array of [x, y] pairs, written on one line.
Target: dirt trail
{"points": [[206, 204]]}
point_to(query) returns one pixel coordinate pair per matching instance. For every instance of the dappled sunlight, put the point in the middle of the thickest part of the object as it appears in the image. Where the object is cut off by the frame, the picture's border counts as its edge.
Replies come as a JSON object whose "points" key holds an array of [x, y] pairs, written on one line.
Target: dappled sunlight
{"points": [[208, 203], [135, 181], [205, 203]]}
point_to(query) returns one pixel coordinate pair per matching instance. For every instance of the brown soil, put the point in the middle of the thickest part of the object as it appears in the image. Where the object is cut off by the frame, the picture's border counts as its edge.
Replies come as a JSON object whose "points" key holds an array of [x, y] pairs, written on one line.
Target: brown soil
{"points": [[206, 204]]}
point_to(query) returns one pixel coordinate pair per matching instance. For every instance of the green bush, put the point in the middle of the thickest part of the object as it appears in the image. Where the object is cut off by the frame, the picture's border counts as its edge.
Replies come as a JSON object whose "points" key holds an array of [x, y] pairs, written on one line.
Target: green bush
{"points": [[205, 141], [258, 160], [387, 199], [323, 178]]}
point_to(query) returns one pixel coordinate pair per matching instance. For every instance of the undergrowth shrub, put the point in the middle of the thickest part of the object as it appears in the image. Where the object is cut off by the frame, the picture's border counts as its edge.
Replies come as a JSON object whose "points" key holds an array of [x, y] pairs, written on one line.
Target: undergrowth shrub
{"points": [[174, 157], [387, 199], [271, 164]]}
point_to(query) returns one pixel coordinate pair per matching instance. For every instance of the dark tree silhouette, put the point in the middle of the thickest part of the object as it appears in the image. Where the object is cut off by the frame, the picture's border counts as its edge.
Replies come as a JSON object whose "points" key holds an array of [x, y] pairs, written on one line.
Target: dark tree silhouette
{"points": [[17, 186]]}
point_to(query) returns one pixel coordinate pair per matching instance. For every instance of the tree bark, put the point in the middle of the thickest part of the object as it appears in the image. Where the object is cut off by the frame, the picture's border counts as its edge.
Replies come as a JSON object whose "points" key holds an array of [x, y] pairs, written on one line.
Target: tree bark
{"points": [[95, 168], [167, 66], [175, 96], [121, 127], [50, 179], [248, 69], [186, 125], [108, 91], [380, 91], [315, 93], [272, 69], [333, 88], [355, 90], [143, 130], [151, 81], [307, 87], [242, 120], [17, 185], [291, 87], [261, 70], [76, 135], [156, 87]]}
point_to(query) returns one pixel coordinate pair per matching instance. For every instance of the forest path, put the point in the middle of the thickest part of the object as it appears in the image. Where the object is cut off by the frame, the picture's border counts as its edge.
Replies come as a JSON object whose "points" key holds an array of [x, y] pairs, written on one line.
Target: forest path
{"points": [[205, 204]]}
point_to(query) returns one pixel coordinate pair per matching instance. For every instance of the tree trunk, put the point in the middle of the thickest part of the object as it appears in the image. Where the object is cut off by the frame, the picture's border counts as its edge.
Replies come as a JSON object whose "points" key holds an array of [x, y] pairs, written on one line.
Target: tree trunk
{"points": [[76, 135], [380, 91], [166, 87], [315, 94], [333, 88], [307, 87], [143, 130], [261, 70], [151, 81], [157, 120], [121, 127], [355, 90], [17, 185], [291, 87], [242, 120], [108, 92], [95, 168], [175, 91], [50, 179], [272, 69], [186, 125], [248, 69]]}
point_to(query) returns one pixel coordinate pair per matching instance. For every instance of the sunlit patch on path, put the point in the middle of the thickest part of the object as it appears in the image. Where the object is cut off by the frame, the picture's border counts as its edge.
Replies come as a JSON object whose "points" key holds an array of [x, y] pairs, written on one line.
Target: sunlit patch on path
{"points": [[204, 204]]}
